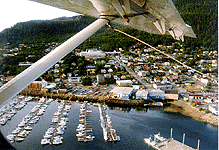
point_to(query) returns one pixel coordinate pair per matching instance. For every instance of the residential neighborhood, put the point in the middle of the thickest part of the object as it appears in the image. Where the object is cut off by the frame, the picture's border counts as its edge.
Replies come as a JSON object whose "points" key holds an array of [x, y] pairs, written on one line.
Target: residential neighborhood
{"points": [[140, 74]]}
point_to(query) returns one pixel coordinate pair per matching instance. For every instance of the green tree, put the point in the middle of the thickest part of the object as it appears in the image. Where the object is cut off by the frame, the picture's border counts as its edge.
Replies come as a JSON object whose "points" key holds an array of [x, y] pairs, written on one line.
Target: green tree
{"points": [[87, 81]]}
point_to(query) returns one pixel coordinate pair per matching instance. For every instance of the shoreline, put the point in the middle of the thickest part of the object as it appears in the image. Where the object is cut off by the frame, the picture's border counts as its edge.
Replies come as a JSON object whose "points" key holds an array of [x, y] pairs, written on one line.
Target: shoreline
{"points": [[187, 109]]}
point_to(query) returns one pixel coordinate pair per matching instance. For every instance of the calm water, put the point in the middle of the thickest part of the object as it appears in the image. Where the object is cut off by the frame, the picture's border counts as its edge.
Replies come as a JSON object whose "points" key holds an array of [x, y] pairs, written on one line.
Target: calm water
{"points": [[132, 125]]}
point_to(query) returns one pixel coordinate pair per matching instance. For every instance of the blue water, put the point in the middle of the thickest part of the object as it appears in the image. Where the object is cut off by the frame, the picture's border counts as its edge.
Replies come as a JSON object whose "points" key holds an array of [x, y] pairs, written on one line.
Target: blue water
{"points": [[132, 125]]}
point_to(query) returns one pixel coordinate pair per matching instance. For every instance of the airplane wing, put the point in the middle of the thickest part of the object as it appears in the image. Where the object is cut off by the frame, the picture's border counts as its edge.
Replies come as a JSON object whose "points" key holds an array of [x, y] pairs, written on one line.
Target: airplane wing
{"points": [[153, 16]]}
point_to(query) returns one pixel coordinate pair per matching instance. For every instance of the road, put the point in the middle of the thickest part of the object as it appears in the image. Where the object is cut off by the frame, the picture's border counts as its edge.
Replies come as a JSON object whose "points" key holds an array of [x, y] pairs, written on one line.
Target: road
{"points": [[131, 72]]}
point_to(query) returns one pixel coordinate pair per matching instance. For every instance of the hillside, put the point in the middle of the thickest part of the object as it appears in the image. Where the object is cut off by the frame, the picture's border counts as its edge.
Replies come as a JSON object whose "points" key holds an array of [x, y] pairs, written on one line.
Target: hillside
{"points": [[200, 14]]}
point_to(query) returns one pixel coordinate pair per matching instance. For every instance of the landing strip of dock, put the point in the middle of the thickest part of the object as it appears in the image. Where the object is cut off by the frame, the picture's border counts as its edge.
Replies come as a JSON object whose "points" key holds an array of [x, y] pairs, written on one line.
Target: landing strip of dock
{"points": [[173, 145]]}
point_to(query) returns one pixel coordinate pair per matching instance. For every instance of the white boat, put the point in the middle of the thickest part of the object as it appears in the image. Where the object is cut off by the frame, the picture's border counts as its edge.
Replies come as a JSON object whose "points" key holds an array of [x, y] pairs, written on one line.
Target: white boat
{"points": [[28, 128], [45, 141], [58, 137], [149, 141], [21, 124], [158, 137], [80, 134], [10, 137], [47, 136], [19, 139], [56, 142], [17, 130]]}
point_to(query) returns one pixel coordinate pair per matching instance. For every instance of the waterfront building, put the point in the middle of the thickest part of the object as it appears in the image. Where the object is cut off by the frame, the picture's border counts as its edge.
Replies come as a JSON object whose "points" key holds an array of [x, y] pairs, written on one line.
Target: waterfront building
{"points": [[171, 94], [122, 92], [156, 94], [141, 94]]}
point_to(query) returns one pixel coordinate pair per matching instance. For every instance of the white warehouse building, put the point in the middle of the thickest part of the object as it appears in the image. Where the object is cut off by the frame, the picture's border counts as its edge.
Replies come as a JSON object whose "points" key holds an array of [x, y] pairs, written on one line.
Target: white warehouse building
{"points": [[92, 53], [124, 82], [122, 92], [141, 94]]}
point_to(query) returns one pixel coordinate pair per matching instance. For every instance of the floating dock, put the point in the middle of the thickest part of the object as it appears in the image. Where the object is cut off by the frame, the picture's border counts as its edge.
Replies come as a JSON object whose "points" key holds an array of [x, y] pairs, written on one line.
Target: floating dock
{"points": [[84, 129], [161, 143], [109, 134]]}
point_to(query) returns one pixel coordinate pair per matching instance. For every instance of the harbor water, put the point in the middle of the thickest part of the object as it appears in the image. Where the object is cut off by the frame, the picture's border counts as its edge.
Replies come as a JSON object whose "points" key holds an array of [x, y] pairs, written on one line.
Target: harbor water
{"points": [[131, 124]]}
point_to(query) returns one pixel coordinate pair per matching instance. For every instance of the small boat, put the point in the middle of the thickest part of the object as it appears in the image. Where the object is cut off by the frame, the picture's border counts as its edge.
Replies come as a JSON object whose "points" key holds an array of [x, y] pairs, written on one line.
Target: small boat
{"points": [[47, 136], [19, 139], [45, 141], [10, 137], [28, 128], [57, 142]]}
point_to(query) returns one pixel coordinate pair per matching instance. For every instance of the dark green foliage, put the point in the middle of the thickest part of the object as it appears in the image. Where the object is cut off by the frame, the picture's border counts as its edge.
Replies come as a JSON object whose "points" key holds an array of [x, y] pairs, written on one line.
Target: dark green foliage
{"points": [[86, 81], [200, 14]]}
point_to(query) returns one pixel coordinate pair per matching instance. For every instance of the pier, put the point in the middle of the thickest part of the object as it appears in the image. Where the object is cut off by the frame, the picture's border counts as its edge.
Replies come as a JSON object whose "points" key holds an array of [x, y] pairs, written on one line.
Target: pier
{"points": [[59, 121], [84, 129], [109, 134], [161, 143]]}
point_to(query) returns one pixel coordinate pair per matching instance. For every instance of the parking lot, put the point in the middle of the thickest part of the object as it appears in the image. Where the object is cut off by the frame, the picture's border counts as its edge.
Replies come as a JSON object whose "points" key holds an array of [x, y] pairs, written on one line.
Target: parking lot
{"points": [[93, 91]]}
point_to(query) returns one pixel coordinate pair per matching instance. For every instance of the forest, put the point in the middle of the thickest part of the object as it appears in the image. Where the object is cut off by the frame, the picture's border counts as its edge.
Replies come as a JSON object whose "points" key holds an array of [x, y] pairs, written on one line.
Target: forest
{"points": [[202, 15]]}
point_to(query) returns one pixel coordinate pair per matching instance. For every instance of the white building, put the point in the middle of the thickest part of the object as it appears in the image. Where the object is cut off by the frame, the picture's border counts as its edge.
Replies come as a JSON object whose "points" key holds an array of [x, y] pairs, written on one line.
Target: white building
{"points": [[122, 92], [142, 73], [162, 86], [213, 108], [142, 94], [93, 53], [156, 94], [205, 81], [74, 79], [124, 82], [99, 78]]}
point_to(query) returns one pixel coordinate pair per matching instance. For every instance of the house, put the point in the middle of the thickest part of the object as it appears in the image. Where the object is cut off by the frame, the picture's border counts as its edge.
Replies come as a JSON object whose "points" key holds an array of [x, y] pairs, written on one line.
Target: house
{"points": [[74, 79], [124, 82], [122, 92], [141, 94], [171, 94], [142, 73], [103, 71], [107, 76], [99, 78], [165, 80]]}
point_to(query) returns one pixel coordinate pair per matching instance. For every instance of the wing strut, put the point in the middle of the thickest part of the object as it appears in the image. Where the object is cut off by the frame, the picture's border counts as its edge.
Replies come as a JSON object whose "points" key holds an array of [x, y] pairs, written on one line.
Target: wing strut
{"points": [[25, 78]]}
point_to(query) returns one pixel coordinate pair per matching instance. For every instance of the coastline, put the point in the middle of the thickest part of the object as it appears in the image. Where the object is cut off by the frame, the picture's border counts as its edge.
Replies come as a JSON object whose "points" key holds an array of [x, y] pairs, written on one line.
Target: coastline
{"points": [[187, 109]]}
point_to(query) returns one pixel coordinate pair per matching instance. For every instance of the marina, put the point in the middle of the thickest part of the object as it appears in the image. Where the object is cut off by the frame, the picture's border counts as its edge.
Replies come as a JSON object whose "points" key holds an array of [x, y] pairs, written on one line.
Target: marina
{"points": [[131, 124], [11, 108], [24, 128]]}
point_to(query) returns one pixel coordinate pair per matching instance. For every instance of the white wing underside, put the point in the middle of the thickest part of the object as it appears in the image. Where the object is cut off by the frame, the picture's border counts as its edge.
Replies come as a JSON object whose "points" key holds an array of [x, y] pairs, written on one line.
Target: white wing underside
{"points": [[153, 16]]}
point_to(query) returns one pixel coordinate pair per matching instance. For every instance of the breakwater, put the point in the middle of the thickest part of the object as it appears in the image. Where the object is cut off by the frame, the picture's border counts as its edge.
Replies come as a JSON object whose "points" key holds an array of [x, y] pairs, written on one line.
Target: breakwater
{"points": [[108, 101]]}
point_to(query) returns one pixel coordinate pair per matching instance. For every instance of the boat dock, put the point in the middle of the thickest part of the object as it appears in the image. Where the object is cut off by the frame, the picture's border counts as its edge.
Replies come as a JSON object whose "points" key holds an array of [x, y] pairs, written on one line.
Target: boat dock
{"points": [[58, 125], [161, 143], [84, 129], [109, 134], [26, 125]]}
